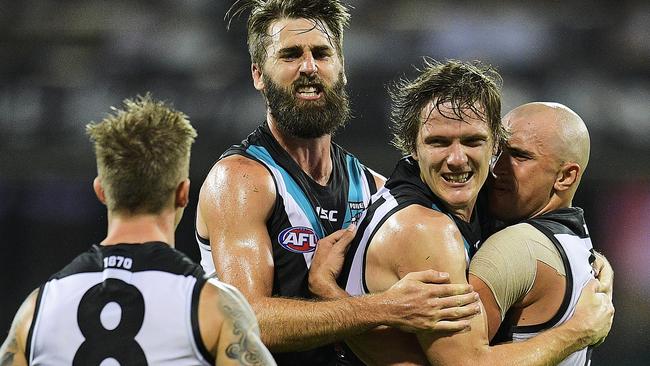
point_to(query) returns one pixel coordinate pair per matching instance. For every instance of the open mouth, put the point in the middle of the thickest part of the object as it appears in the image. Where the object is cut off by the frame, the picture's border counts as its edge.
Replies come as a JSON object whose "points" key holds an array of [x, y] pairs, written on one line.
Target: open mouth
{"points": [[457, 177], [309, 91]]}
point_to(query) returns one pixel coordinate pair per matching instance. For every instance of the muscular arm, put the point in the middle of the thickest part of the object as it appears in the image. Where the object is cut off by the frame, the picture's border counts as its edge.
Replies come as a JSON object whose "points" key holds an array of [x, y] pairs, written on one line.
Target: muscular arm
{"points": [[12, 352], [430, 240], [228, 327], [502, 272], [518, 269], [235, 202]]}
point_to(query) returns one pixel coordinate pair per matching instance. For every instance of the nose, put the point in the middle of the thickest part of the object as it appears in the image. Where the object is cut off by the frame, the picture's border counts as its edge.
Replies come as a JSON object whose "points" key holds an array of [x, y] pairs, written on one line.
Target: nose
{"points": [[457, 156], [308, 65]]}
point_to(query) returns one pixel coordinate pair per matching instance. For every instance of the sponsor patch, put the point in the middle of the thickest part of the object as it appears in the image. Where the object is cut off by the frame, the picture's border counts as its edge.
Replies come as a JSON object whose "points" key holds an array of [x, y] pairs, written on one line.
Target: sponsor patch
{"points": [[298, 239], [356, 210]]}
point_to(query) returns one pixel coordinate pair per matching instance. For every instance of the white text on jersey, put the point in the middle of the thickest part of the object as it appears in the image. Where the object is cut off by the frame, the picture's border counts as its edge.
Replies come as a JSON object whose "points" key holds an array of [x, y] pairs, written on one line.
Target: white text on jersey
{"points": [[329, 215], [118, 261]]}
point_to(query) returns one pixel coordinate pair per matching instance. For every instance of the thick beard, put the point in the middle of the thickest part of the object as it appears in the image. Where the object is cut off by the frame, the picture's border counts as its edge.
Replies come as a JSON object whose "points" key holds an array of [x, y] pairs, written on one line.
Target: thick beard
{"points": [[308, 119]]}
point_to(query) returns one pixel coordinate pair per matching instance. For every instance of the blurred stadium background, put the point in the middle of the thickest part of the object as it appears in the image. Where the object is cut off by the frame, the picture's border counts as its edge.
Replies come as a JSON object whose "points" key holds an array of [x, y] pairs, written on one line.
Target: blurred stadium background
{"points": [[63, 63]]}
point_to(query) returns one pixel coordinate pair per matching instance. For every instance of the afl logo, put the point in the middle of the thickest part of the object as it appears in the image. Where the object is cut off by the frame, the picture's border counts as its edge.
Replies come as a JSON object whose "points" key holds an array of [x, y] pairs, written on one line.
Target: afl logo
{"points": [[298, 239]]}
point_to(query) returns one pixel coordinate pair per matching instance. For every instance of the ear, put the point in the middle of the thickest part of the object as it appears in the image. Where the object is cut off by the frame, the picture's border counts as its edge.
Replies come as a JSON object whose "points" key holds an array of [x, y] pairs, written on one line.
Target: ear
{"points": [[182, 196], [414, 155], [345, 77], [567, 177], [256, 73], [99, 190]]}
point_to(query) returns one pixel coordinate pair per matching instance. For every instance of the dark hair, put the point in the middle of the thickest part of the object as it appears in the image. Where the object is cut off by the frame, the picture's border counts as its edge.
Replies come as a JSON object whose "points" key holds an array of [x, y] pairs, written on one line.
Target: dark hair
{"points": [[330, 14], [462, 85]]}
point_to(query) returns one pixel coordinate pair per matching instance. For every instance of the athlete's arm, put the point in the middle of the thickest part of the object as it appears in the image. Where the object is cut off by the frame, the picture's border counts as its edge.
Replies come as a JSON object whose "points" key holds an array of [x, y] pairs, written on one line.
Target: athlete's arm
{"points": [[504, 272], [387, 345], [235, 202], [229, 328], [12, 352], [452, 304], [435, 233], [431, 240]]}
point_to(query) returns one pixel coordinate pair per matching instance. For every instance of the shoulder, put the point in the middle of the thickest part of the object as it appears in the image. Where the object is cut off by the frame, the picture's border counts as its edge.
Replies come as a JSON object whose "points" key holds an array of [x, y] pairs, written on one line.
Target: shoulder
{"points": [[420, 238], [419, 222], [380, 180], [238, 168], [506, 252], [237, 175], [515, 237]]}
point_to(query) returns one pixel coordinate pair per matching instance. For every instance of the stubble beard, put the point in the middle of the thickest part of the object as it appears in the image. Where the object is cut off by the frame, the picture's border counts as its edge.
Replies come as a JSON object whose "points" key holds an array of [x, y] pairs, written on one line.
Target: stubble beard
{"points": [[308, 119]]}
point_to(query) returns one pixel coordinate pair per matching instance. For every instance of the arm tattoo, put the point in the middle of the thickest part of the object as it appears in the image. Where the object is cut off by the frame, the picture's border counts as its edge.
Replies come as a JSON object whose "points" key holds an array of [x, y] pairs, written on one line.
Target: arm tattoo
{"points": [[9, 352], [243, 350], [246, 346]]}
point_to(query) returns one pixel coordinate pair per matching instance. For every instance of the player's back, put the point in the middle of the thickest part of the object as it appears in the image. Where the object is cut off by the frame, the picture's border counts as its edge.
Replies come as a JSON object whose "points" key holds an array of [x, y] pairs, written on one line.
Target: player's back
{"points": [[126, 304]]}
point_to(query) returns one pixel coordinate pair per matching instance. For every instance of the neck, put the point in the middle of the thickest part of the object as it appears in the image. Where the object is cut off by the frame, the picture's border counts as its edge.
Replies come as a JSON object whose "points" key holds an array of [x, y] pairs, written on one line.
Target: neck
{"points": [[555, 203], [311, 155], [464, 212], [140, 228]]}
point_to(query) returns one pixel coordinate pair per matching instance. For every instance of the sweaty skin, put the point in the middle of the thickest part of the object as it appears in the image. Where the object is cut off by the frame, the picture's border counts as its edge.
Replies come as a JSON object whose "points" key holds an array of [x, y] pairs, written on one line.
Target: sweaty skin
{"points": [[236, 202], [451, 154], [538, 171]]}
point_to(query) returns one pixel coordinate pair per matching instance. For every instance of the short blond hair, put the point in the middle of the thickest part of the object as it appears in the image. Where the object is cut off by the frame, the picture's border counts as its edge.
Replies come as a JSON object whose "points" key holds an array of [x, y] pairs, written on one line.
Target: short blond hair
{"points": [[143, 153]]}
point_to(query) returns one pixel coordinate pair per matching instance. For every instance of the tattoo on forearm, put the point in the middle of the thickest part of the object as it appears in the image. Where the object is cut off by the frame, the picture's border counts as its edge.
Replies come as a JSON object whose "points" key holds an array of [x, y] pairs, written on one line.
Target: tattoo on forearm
{"points": [[247, 347]]}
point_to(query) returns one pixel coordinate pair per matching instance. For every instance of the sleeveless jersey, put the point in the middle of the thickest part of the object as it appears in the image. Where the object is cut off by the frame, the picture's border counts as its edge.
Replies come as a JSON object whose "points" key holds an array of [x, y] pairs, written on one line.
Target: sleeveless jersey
{"points": [[567, 229], [304, 211], [403, 188], [125, 303]]}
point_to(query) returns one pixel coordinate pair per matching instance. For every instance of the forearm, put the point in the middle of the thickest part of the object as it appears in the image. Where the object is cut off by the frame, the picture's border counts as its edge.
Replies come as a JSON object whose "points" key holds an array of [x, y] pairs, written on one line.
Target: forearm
{"points": [[387, 346], [548, 348], [294, 325]]}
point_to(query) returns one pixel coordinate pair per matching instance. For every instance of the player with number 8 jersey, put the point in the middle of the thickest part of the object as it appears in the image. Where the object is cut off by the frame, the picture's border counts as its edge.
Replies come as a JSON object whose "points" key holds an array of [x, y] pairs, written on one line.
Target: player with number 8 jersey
{"points": [[108, 305], [133, 299]]}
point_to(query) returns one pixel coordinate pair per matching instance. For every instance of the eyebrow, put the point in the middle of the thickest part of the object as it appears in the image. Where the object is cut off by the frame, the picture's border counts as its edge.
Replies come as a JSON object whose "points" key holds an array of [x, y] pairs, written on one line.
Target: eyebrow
{"points": [[297, 49], [321, 48], [523, 152], [286, 51], [476, 136]]}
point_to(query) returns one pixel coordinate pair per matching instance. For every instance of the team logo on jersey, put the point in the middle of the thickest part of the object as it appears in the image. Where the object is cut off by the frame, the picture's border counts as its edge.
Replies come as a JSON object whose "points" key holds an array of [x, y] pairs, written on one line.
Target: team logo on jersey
{"points": [[356, 210], [298, 239]]}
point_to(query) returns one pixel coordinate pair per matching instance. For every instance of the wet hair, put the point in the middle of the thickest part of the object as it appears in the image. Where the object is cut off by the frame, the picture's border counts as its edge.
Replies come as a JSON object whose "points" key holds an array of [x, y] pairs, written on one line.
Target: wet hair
{"points": [[327, 15], [143, 153], [464, 86]]}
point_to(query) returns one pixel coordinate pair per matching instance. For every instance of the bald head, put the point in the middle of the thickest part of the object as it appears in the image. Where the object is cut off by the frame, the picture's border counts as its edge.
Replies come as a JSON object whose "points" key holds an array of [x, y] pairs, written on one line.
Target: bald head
{"points": [[561, 131], [542, 163]]}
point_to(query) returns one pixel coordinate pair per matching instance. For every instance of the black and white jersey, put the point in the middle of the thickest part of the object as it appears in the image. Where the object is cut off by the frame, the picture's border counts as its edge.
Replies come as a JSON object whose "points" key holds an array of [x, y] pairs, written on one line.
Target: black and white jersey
{"points": [[304, 212], [126, 304], [403, 188], [567, 229]]}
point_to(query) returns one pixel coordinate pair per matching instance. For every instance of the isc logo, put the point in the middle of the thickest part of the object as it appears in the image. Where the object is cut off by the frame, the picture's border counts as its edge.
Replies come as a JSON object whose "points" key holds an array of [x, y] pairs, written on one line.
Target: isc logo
{"points": [[298, 239]]}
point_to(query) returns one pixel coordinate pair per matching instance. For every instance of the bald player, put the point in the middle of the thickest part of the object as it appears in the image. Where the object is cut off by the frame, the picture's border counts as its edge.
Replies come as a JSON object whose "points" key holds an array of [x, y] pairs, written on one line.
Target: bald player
{"points": [[530, 274]]}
